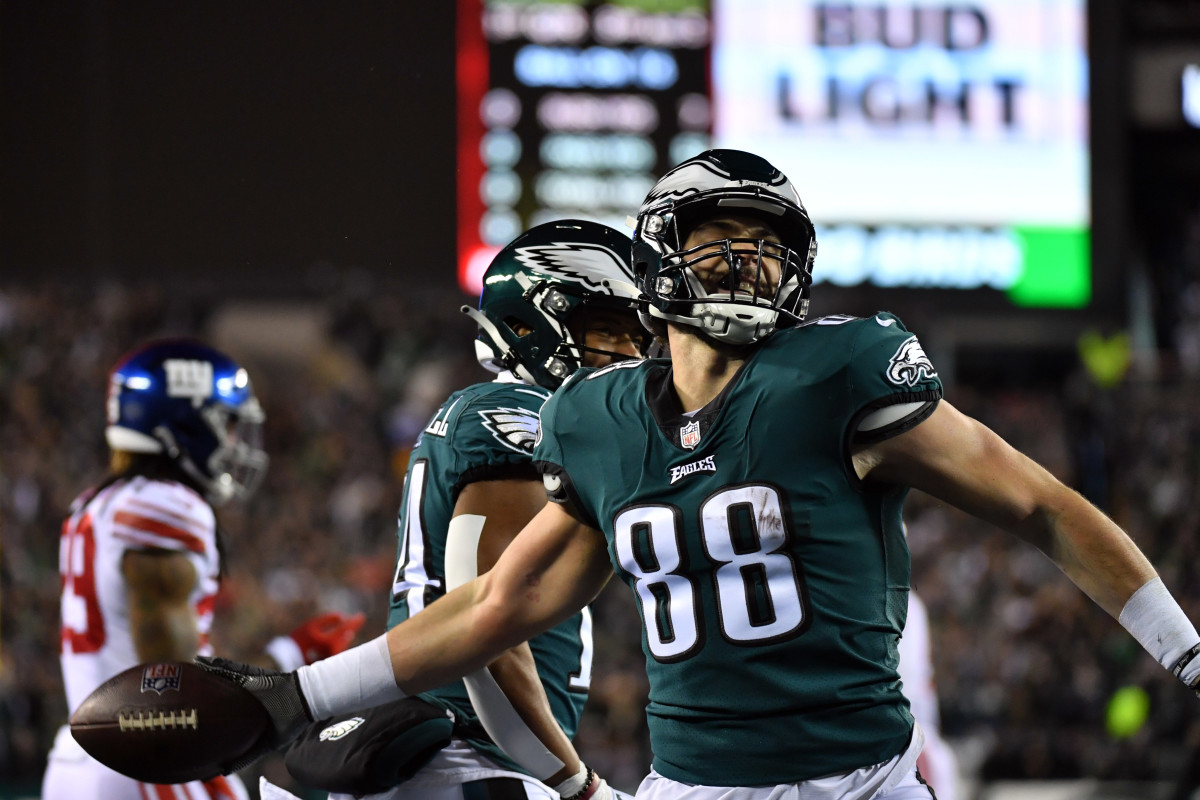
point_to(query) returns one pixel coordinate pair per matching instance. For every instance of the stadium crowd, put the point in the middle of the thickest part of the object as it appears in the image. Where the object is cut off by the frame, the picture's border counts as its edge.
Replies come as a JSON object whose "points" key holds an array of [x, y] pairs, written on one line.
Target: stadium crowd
{"points": [[1026, 665]]}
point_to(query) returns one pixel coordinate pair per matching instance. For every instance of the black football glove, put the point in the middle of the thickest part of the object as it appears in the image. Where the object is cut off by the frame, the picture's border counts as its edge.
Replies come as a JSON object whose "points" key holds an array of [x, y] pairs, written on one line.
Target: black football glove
{"points": [[1183, 661], [279, 692]]}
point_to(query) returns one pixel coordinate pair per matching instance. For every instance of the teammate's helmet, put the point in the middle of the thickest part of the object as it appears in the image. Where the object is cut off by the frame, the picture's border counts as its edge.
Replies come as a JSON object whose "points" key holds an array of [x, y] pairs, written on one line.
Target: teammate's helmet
{"points": [[195, 405], [535, 284], [723, 183]]}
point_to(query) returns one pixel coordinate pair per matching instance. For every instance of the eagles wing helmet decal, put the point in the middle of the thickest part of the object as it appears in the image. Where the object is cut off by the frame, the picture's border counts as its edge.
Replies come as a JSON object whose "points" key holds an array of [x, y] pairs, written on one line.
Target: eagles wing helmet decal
{"points": [[684, 181], [515, 428], [909, 364], [573, 261]]}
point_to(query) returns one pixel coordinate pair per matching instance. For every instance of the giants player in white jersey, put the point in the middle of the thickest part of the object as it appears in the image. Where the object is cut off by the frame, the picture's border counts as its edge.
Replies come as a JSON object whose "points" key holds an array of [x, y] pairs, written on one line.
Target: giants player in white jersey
{"points": [[140, 557], [937, 763]]}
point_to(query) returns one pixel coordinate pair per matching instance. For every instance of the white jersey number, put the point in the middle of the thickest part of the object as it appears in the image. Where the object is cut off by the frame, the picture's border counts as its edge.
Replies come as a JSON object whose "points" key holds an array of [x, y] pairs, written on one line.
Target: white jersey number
{"points": [[82, 620], [760, 594]]}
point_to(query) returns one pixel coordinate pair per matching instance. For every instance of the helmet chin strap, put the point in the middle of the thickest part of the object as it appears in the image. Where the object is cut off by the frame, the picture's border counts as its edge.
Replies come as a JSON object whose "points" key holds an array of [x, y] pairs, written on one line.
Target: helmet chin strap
{"points": [[725, 322], [713, 320]]}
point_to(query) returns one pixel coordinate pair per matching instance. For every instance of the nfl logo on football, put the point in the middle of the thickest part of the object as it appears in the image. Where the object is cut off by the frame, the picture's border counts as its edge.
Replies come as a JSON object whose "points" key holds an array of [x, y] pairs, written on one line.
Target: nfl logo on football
{"points": [[161, 678], [689, 435]]}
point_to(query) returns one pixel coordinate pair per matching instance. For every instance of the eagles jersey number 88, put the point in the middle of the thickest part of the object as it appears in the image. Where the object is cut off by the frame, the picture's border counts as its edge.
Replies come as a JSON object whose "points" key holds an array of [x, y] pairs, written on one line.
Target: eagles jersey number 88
{"points": [[757, 585]]}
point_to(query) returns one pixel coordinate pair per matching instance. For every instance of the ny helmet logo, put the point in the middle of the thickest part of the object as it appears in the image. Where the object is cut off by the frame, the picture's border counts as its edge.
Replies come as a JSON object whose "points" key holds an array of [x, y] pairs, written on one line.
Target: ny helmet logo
{"points": [[189, 378], [689, 435]]}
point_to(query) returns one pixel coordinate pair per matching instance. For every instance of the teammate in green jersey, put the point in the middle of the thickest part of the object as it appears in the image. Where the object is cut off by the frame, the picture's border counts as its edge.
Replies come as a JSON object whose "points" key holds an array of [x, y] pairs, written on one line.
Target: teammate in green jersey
{"points": [[749, 493], [559, 297]]}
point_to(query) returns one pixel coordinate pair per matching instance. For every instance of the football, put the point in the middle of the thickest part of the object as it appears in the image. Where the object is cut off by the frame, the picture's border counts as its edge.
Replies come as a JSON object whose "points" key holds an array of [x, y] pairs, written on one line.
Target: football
{"points": [[170, 722]]}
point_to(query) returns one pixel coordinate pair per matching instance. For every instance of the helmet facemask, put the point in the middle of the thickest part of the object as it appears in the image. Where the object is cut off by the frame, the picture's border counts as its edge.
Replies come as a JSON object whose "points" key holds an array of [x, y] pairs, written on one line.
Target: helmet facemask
{"points": [[232, 438], [736, 290], [753, 286], [694, 285], [606, 319], [566, 313], [239, 463]]}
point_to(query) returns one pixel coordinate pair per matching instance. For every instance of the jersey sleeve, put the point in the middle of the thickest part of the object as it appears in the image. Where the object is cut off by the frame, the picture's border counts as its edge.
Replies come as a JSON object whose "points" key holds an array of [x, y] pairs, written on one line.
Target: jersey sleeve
{"points": [[492, 435], [889, 367], [160, 515], [550, 459]]}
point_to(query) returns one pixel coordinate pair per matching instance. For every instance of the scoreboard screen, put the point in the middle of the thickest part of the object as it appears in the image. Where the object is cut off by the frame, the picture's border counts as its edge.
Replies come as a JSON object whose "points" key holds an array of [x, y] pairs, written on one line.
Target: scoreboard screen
{"points": [[939, 145], [571, 109]]}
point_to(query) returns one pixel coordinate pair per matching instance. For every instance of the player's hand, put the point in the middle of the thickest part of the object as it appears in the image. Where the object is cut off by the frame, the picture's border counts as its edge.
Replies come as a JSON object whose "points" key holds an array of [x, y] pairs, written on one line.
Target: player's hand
{"points": [[327, 634], [279, 692], [587, 785], [600, 790]]}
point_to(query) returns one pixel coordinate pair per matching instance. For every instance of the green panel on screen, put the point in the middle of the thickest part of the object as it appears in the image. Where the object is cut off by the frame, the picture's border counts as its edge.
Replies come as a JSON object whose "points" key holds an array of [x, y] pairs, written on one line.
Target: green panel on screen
{"points": [[1057, 268]]}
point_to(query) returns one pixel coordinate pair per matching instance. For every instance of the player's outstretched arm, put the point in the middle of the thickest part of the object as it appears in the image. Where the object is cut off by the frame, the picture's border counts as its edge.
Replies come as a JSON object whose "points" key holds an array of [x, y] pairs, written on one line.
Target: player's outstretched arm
{"points": [[959, 460], [554, 568]]}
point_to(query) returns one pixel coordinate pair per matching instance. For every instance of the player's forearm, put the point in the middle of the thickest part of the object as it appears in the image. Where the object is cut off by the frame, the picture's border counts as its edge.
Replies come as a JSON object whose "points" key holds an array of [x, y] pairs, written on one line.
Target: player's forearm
{"points": [[1092, 550], [964, 463], [528, 591], [460, 633], [451, 638], [1106, 564]]}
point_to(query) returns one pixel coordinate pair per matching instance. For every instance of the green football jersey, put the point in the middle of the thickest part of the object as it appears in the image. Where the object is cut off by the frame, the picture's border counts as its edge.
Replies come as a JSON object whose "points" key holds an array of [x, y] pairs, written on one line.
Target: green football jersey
{"points": [[771, 581], [483, 432]]}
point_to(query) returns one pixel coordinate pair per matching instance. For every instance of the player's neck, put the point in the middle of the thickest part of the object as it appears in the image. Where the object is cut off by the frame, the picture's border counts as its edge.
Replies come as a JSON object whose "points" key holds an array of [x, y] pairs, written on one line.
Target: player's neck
{"points": [[700, 367]]}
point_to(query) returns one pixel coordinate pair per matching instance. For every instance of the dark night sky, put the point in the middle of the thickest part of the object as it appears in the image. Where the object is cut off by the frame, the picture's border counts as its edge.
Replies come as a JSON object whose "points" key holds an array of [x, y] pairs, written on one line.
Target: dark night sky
{"points": [[239, 139]]}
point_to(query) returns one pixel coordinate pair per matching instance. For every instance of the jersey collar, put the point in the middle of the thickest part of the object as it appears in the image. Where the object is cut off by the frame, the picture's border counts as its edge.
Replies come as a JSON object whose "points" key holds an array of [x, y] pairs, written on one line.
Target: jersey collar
{"points": [[667, 411]]}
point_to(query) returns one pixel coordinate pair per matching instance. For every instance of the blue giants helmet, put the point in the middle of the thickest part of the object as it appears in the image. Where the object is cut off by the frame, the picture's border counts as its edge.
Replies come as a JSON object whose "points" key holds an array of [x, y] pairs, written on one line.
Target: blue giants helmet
{"points": [[195, 405]]}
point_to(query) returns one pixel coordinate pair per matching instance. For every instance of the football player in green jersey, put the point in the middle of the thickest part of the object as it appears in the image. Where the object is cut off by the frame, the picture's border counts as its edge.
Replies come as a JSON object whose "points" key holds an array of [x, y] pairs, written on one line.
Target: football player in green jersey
{"points": [[558, 297], [749, 493]]}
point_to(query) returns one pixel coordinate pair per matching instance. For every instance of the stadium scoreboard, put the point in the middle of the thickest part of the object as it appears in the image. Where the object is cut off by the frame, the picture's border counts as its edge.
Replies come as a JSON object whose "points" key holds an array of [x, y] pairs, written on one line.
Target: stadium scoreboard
{"points": [[937, 146], [571, 109]]}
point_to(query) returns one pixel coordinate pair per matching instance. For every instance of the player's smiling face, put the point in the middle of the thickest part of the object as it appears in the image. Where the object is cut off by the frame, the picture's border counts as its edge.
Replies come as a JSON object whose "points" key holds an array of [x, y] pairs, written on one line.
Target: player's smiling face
{"points": [[717, 242]]}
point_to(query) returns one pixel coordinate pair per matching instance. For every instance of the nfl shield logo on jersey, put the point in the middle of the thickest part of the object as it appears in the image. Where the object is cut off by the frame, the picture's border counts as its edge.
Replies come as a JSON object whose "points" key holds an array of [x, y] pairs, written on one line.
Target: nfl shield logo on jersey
{"points": [[689, 435], [161, 678]]}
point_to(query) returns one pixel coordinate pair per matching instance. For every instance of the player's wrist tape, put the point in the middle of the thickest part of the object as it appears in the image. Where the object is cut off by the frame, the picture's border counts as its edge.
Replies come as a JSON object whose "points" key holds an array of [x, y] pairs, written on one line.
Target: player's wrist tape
{"points": [[579, 786], [360, 677], [1154, 618], [286, 652]]}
